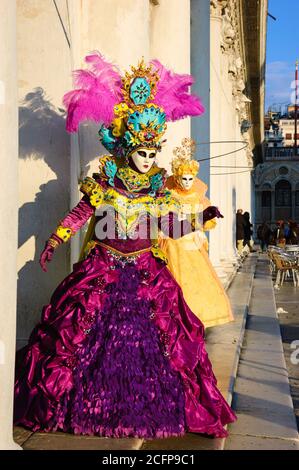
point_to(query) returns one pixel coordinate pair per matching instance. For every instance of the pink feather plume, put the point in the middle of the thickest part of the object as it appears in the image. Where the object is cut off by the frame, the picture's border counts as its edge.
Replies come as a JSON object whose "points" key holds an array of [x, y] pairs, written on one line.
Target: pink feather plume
{"points": [[97, 91], [173, 94]]}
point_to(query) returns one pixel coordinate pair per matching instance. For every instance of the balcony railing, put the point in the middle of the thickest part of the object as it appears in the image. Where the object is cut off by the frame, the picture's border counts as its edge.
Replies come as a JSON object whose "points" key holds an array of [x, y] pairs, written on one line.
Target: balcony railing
{"points": [[271, 136], [281, 153]]}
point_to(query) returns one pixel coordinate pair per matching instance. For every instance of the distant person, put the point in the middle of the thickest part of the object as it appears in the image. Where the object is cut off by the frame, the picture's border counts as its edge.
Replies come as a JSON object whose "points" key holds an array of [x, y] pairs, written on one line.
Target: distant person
{"points": [[294, 233], [247, 231], [272, 240], [240, 230], [287, 232], [279, 234], [264, 235]]}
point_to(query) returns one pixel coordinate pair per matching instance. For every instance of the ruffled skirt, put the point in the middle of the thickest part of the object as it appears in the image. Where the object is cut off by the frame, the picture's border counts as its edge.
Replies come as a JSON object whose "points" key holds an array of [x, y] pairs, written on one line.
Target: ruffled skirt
{"points": [[118, 353]]}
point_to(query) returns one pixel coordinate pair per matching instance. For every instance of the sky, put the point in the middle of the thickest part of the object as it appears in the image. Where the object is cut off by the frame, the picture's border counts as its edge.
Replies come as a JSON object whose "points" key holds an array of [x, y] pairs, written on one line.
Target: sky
{"points": [[282, 51]]}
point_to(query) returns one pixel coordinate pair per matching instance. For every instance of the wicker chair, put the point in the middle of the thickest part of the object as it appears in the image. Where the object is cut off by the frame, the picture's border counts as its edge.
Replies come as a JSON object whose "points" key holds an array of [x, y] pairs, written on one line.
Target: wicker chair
{"points": [[284, 265]]}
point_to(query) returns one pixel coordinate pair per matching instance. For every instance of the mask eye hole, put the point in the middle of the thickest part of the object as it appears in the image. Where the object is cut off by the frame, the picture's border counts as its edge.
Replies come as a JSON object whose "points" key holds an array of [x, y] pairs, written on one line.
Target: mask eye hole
{"points": [[141, 153], [152, 155]]}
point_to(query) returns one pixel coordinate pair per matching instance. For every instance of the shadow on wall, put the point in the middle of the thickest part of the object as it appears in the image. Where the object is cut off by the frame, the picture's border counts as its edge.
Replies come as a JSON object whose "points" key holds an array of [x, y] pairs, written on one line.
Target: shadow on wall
{"points": [[42, 136]]}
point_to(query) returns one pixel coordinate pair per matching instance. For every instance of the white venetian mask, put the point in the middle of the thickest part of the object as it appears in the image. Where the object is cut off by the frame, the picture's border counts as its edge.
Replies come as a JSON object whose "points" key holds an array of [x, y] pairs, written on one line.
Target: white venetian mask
{"points": [[143, 159], [186, 181]]}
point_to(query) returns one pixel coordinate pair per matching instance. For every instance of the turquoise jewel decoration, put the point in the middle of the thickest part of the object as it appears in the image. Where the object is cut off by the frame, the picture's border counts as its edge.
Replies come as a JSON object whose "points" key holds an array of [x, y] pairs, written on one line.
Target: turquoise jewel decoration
{"points": [[129, 139], [112, 144], [156, 183], [107, 139], [110, 170], [144, 119], [140, 91]]}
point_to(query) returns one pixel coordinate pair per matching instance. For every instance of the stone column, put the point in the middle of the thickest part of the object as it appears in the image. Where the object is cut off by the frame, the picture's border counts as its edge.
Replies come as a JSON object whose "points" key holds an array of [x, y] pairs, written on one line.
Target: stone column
{"points": [[216, 182], [227, 121], [8, 216], [170, 43], [77, 13]]}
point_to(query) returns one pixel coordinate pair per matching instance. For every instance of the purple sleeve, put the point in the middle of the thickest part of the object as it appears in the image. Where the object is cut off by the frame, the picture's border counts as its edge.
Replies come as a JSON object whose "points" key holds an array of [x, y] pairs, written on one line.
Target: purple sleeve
{"points": [[78, 216]]}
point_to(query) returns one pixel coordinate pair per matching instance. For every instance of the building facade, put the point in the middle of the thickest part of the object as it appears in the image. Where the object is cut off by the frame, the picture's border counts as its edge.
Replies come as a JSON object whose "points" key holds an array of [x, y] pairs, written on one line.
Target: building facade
{"points": [[287, 127], [277, 189], [221, 42], [276, 179]]}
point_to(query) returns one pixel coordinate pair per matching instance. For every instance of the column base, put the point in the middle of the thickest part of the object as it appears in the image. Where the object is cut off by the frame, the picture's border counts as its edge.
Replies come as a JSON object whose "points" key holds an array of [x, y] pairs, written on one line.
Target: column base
{"points": [[11, 445], [230, 266], [221, 273], [230, 263]]}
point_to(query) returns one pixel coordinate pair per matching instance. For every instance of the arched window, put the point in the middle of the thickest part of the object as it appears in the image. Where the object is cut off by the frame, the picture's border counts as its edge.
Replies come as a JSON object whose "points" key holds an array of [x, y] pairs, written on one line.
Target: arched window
{"points": [[283, 194], [266, 198]]}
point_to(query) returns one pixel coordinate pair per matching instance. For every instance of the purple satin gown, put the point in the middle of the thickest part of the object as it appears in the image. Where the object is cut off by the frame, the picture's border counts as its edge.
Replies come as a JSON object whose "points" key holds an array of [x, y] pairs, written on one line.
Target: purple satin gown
{"points": [[118, 353]]}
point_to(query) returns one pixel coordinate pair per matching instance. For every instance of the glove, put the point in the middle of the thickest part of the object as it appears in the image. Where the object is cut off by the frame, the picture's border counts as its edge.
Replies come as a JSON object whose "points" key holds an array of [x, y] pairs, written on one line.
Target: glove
{"points": [[210, 213], [47, 253], [68, 227]]}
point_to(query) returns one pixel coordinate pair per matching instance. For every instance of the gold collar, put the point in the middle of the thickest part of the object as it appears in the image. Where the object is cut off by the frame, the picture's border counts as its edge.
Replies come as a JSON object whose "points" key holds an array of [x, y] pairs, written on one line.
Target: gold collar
{"points": [[135, 181]]}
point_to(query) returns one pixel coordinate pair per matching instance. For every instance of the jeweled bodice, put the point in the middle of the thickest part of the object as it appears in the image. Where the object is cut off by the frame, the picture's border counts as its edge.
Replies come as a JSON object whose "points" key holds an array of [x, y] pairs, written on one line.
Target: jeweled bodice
{"points": [[126, 219]]}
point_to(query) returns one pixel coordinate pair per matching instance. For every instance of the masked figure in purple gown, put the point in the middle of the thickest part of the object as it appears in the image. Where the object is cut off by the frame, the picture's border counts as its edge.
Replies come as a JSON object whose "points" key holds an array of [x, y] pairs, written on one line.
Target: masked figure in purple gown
{"points": [[118, 352]]}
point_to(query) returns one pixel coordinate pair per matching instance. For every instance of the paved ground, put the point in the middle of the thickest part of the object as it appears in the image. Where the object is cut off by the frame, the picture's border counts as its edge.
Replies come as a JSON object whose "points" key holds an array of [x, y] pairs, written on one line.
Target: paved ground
{"points": [[287, 301], [223, 344], [262, 397]]}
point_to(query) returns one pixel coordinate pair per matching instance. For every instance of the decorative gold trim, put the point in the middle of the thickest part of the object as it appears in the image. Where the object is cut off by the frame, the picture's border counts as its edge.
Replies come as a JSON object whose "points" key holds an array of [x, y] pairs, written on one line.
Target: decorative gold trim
{"points": [[159, 253], [87, 185], [92, 189], [118, 252], [154, 249], [64, 233], [142, 70], [53, 243]]}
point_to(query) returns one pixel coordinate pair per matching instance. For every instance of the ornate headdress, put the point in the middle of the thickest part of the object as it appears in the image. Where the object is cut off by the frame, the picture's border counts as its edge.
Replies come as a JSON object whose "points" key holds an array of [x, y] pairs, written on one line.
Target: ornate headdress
{"points": [[183, 164], [132, 109]]}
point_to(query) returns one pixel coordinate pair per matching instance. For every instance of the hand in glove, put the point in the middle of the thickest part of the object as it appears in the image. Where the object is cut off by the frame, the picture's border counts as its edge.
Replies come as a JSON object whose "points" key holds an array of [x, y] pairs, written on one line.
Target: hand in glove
{"points": [[75, 219], [47, 253], [210, 213]]}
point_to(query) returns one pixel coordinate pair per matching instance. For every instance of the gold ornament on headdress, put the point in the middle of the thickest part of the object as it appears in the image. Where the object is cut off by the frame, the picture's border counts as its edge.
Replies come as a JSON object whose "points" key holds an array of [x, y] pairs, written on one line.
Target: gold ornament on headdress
{"points": [[183, 164], [142, 70], [139, 86]]}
